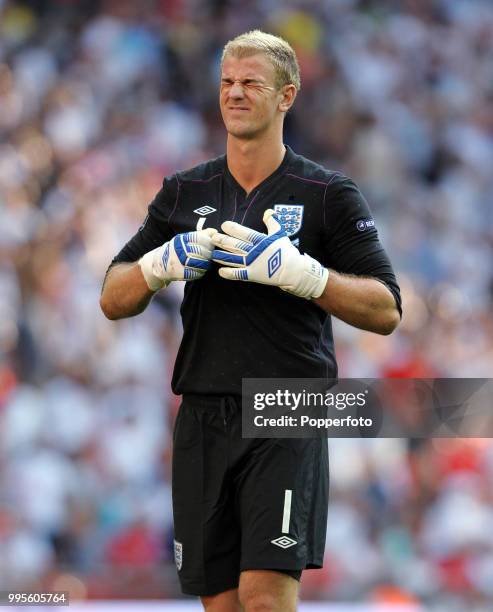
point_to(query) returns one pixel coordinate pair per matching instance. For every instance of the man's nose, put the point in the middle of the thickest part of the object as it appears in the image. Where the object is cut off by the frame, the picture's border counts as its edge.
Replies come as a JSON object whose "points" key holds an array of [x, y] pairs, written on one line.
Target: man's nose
{"points": [[236, 90]]}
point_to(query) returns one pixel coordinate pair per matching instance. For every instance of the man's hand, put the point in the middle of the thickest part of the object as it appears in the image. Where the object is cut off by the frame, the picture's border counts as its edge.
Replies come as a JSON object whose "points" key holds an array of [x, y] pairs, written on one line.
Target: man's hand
{"points": [[269, 258], [185, 257]]}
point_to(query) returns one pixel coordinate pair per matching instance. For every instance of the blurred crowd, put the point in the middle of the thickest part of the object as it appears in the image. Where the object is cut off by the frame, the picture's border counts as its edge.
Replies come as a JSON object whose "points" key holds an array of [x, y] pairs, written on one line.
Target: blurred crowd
{"points": [[99, 99]]}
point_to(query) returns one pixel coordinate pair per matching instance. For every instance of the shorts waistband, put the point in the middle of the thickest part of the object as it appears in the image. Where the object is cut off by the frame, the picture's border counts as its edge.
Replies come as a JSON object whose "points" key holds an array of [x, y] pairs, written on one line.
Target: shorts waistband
{"points": [[209, 399], [225, 404]]}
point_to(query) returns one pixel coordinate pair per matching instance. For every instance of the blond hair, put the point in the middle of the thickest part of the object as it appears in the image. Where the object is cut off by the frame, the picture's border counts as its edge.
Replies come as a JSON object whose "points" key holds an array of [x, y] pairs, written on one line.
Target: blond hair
{"points": [[279, 52]]}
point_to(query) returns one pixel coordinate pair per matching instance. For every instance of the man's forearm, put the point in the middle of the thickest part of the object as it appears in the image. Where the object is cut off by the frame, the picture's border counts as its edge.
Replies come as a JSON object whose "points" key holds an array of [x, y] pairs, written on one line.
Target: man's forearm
{"points": [[365, 303], [125, 292]]}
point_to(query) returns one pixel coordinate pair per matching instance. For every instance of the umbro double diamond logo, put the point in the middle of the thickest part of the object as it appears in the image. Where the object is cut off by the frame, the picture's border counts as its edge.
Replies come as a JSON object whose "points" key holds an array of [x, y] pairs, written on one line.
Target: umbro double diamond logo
{"points": [[274, 263], [284, 542], [204, 210]]}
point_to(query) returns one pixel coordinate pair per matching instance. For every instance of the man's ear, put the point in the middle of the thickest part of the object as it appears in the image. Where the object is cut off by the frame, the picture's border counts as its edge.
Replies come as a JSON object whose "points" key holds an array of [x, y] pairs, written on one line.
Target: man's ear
{"points": [[288, 96]]}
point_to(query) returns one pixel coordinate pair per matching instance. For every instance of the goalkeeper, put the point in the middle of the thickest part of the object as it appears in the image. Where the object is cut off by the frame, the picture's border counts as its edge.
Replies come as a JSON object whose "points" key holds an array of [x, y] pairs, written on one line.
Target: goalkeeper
{"points": [[271, 245]]}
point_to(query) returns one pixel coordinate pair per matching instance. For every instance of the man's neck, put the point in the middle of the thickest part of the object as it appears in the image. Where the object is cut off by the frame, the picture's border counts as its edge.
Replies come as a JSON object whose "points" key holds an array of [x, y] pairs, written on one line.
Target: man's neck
{"points": [[252, 161]]}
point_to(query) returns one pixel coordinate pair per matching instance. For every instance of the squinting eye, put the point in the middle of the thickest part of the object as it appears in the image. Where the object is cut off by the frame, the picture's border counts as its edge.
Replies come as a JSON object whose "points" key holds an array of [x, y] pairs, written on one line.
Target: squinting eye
{"points": [[247, 84]]}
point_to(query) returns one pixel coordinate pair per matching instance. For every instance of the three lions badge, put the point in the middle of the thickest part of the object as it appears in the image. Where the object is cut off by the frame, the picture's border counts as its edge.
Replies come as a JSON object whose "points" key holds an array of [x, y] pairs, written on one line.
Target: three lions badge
{"points": [[291, 218]]}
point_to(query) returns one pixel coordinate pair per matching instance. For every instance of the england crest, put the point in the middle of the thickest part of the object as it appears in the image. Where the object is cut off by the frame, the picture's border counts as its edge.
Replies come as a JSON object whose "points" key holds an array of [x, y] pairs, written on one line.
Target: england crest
{"points": [[290, 216]]}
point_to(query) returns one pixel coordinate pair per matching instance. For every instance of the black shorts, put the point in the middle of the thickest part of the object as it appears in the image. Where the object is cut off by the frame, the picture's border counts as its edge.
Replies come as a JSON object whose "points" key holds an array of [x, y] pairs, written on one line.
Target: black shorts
{"points": [[243, 504]]}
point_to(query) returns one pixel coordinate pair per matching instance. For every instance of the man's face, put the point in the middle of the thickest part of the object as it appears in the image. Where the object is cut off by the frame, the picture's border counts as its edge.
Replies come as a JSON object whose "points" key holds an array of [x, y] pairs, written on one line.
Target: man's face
{"points": [[248, 98]]}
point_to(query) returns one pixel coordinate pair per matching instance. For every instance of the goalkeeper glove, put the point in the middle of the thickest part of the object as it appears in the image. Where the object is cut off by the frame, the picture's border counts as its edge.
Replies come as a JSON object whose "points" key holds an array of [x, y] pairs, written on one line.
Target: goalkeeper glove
{"points": [[270, 259], [185, 257]]}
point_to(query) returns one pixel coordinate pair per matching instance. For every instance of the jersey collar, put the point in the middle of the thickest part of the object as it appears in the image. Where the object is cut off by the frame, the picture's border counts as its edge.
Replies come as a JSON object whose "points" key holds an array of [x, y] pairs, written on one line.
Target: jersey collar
{"points": [[288, 158]]}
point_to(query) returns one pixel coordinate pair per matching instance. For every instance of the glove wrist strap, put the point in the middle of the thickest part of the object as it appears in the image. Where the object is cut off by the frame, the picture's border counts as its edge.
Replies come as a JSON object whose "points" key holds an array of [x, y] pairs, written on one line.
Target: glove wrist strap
{"points": [[148, 267], [316, 277]]}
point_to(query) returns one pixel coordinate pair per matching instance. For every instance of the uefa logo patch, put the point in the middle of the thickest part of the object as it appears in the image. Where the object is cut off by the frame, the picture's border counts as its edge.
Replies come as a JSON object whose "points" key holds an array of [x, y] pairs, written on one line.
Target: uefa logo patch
{"points": [[178, 555], [290, 217], [364, 224]]}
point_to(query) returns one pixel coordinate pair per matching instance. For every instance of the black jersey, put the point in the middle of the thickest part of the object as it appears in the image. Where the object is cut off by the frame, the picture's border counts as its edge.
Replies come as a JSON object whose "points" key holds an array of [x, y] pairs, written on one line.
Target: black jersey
{"points": [[233, 329]]}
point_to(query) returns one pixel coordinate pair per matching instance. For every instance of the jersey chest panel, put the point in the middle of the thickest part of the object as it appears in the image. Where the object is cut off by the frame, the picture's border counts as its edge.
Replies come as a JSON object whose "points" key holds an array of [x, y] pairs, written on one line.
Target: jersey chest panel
{"points": [[203, 204]]}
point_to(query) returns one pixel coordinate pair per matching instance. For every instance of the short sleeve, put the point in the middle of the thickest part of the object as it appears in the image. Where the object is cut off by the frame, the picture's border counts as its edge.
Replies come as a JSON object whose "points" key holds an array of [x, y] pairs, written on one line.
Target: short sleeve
{"points": [[352, 244], [155, 229]]}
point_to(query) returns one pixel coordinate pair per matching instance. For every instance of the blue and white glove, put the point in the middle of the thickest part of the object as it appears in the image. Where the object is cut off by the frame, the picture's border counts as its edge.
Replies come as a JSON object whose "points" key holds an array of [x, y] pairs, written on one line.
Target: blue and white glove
{"points": [[270, 259], [185, 257]]}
